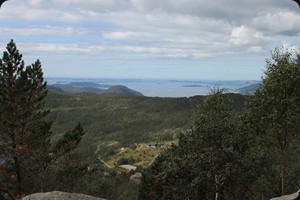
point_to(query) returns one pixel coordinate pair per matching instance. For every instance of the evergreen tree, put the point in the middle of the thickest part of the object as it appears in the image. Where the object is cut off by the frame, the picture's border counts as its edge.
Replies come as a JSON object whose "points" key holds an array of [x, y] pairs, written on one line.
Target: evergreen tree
{"points": [[22, 90], [26, 153]]}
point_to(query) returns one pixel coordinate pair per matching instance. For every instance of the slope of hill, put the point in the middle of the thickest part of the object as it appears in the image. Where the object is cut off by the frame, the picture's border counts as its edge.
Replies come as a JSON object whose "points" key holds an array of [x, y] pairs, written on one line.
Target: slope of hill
{"points": [[70, 88], [115, 116], [249, 89], [91, 87], [120, 129], [120, 89], [54, 88], [122, 118]]}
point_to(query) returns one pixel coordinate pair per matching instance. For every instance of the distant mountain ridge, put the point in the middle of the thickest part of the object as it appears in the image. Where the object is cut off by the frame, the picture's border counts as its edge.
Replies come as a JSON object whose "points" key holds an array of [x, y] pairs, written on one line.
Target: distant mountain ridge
{"points": [[248, 89], [90, 87]]}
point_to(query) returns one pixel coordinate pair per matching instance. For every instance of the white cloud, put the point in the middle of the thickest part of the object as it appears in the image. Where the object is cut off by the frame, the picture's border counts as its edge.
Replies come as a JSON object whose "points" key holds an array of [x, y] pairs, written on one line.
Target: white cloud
{"points": [[247, 36], [35, 3], [52, 48], [45, 30], [152, 29], [291, 48], [93, 5], [255, 49], [128, 35], [222, 9], [283, 22]]}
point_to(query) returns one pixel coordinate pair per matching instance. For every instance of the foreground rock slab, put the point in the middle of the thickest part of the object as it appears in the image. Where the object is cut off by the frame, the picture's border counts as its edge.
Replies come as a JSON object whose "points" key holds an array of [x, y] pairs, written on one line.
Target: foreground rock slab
{"points": [[56, 195], [294, 196]]}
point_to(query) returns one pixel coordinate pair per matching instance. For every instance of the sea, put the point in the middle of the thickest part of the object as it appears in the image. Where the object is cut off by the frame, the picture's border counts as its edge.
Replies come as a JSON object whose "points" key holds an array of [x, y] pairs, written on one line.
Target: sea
{"points": [[162, 88]]}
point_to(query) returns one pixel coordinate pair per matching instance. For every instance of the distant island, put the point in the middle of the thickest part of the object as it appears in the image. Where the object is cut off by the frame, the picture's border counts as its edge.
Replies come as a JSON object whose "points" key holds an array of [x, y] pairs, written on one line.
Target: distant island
{"points": [[193, 86], [121, 89], [91, 87]]}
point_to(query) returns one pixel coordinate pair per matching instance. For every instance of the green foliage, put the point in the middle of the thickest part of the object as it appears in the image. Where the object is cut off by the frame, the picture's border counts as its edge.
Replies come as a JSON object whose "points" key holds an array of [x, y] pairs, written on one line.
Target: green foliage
{"points": [[253, 154], [208, 161], [23, 134], [70, 140], [221, 146], [170, 177], [27, 156], [121, 118], [275, 109], [114, 121]]}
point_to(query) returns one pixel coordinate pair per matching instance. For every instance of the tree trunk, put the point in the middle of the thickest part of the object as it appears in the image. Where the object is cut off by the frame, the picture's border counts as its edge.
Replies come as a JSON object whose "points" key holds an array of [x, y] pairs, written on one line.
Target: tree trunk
{"points": [[217, 182], [19, 177], [282, 169], [42, 186]]}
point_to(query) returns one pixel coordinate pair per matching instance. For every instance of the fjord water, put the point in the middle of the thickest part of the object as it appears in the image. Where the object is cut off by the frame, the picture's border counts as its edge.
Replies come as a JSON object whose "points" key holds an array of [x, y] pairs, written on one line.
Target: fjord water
{"points": [[162, 88]]}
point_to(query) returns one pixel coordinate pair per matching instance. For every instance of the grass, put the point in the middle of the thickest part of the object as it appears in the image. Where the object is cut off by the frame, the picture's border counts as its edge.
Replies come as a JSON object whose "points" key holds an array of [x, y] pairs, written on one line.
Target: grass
{"points": [[140, 153]]}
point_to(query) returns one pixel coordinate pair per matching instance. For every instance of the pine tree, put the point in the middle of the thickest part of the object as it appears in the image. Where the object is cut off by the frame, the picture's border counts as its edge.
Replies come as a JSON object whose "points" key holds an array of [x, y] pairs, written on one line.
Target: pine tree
{"points": [[26, 153], [22, 91]]}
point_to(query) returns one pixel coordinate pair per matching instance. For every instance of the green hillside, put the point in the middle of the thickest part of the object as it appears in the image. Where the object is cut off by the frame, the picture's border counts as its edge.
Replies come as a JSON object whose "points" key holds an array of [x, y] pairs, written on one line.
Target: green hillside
{"points": [[91, 87], [121, 129], [121, 118]]}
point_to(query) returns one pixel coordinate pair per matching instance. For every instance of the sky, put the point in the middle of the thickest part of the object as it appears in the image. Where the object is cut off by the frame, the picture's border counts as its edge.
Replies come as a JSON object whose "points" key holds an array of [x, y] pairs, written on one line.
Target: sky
{"points": [[150, 39]]}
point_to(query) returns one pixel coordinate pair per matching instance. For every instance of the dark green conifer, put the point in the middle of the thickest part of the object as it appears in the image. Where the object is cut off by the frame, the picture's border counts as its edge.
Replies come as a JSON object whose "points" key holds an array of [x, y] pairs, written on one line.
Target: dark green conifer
{"points": [[26, 153]]}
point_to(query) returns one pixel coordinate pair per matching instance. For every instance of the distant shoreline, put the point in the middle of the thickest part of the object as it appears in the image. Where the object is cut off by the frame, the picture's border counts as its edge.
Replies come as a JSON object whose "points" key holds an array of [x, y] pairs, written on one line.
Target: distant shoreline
{"points": [[158, 87], [194, 86]]}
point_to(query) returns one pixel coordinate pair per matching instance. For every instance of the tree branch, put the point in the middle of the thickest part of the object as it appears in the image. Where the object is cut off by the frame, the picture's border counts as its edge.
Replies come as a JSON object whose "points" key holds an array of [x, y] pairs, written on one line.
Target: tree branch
{"points": [[10, 194]]}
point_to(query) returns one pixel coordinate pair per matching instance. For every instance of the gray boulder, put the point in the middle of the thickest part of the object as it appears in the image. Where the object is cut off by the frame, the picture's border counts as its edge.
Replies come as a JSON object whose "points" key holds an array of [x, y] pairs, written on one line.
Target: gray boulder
{"points": [[137, 176], [56, 195], [294, 196]]}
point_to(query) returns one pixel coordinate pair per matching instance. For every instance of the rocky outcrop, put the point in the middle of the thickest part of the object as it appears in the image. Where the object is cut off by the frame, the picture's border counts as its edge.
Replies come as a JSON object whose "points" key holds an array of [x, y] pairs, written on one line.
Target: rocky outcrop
{"points": [[56, 195], [294, 196], [128, 167], [136, 177]]}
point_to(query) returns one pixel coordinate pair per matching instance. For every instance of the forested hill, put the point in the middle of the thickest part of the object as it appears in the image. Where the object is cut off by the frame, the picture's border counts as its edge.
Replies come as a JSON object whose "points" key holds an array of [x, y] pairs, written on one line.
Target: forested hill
{"points": [[90, 87], [122, 118], [121, 89]]}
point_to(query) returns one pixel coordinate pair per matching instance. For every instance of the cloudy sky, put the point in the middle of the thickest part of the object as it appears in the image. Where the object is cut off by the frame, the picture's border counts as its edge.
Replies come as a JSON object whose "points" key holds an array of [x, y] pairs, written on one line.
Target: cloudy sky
{"points": [[159, 39]]}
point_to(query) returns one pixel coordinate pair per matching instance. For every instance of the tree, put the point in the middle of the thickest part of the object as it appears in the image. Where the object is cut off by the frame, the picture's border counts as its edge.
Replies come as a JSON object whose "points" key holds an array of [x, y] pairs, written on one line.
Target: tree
{"points": [[22, 91], [275, 109], [210, 161], [58, 157], [222, 148], [26, 150]]}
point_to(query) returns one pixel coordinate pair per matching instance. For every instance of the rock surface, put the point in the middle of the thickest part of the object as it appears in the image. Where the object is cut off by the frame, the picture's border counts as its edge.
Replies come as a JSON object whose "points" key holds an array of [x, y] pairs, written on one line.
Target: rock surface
{"points": [[56, 195], [137, 176], [294, 196], [128, 167]]}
